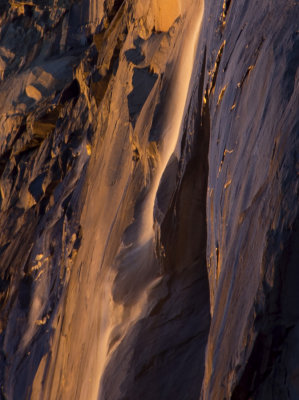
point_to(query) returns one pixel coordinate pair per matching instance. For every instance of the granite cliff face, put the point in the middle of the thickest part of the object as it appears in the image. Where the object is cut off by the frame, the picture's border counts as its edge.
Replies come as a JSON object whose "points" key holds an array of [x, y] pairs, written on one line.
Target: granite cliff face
{"points": [[149, 199]]}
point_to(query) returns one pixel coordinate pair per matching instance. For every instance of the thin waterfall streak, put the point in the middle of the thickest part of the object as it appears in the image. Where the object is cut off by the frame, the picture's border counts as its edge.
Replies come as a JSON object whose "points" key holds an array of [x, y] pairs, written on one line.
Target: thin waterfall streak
{"points": [[174, 114], [112, 314]]}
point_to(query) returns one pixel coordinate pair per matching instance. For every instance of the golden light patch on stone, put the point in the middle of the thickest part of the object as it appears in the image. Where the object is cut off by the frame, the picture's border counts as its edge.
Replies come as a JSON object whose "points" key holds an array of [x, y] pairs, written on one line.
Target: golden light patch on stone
{"points": [[221, 94], [165, 13], [228, 183], [42, 321], [33, 93], [88, 149], [226, 151]]}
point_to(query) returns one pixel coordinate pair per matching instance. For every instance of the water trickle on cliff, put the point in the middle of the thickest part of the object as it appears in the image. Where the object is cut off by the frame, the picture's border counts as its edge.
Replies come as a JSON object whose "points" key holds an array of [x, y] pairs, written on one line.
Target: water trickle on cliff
{"points": [[139, 269], [175, 110]]}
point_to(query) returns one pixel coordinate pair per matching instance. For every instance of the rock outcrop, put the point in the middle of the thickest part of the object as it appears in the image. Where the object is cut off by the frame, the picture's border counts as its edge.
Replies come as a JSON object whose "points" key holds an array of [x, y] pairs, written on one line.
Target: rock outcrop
{"points": [[149, 199]]}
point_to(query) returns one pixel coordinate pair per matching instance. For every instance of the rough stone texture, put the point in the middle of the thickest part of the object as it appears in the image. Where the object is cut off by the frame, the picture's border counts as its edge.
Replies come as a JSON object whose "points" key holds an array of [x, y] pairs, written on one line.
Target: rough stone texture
{"points": [[149, 232]]}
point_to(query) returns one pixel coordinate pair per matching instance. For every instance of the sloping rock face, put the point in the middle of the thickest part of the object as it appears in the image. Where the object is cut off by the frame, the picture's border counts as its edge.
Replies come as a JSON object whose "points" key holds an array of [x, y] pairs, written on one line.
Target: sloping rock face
{"points": [[149, 200]]}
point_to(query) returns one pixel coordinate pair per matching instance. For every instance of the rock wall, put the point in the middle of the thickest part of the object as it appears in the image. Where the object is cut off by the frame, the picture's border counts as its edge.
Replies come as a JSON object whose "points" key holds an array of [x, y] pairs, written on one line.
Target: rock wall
{"points": [[149, 199]]}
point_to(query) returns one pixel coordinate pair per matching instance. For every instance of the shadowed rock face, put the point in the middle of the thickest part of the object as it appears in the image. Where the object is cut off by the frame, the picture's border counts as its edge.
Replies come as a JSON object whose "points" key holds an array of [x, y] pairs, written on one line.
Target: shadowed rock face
{"points": [[149, 200]]}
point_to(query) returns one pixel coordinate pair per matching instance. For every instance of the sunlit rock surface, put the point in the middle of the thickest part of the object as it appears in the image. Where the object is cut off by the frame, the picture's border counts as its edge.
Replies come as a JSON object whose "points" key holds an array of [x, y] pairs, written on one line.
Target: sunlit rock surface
{"points": [[149, 200]]}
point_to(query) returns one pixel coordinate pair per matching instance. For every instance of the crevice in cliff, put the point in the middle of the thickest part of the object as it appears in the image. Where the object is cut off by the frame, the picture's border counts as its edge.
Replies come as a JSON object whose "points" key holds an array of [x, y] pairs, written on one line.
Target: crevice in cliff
{"points": [[5, 157], [251, 67], [225, 8], [111, 7], [72, 91], [214, 72]]}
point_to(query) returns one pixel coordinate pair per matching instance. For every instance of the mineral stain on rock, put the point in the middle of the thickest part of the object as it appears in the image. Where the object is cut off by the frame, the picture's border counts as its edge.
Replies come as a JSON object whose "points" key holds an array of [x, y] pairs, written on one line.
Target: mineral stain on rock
{"points": [[149, 200]]}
